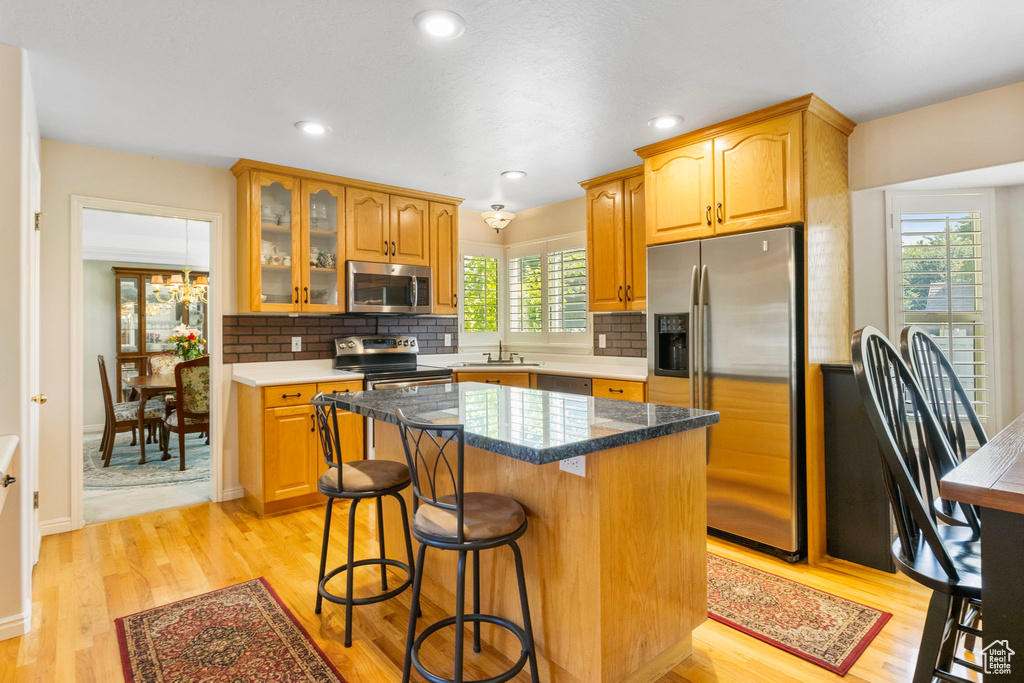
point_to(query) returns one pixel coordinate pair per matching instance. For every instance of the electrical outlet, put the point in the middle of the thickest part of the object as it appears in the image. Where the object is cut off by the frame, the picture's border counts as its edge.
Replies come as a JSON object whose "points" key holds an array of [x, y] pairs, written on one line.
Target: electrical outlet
{"points": [[296, 344], [602, 341], [577, 465], [447, 340]]}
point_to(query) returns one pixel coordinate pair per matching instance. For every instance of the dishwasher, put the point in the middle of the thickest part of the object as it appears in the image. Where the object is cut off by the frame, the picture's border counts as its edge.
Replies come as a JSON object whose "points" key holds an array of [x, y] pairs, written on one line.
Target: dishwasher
{"points": [[565, 384]]}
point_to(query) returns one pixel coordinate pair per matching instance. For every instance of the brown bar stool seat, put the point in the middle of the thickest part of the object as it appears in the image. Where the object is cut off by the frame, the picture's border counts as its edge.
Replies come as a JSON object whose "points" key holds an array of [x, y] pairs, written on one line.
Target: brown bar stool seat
{"points": [[356, 481], [448, 517]]}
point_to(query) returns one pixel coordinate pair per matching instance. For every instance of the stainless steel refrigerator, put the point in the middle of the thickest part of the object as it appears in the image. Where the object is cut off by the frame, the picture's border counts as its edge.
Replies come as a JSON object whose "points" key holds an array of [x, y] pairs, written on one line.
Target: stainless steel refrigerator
{"points": [[724, 333]]}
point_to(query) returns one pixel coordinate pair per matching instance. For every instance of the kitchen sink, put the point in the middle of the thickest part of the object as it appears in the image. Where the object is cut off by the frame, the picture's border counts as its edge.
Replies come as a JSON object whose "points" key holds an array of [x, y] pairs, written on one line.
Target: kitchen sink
{"points": [[494, 363]]}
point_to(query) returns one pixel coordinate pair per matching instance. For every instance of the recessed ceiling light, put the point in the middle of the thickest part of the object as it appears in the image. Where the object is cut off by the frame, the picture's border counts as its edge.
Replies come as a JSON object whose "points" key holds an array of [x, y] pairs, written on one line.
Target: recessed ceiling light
{"points": [[667, 121], [513, 175], [440, 23], [313, 128]]}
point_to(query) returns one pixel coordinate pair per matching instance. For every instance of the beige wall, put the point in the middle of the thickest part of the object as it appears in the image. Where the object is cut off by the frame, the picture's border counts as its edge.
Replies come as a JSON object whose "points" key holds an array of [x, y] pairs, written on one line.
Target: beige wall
{"points": [[985, 129], [67, 170], [547, 221], [19, 140], [473, 228]]}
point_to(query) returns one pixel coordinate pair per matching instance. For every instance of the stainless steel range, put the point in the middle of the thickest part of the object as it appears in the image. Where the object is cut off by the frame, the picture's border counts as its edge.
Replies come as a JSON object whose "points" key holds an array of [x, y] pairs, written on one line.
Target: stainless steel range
{"points": [[386, 361]]}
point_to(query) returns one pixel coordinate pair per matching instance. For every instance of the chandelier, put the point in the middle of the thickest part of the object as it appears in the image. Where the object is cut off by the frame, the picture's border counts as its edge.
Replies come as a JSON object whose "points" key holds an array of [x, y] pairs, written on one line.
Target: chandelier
{"points": [[497, 219], [181, 288]]}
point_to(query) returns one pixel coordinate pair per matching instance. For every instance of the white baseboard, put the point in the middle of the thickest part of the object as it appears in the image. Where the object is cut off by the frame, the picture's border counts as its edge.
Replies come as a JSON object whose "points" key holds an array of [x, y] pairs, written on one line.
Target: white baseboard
{"points": [[14, 626], [55, 526], [93, 429], [232, 493]]}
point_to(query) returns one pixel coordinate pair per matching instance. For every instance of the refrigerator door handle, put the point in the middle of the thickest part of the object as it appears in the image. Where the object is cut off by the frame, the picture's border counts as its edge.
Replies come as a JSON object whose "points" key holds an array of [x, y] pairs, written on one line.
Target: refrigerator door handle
{"points": [[691, 336], [702, 307]]}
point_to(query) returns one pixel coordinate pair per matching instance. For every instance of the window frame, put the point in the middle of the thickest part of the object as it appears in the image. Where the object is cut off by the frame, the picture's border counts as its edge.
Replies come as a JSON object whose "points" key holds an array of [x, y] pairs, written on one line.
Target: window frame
{"points": [[983, 201], [474, 340]]}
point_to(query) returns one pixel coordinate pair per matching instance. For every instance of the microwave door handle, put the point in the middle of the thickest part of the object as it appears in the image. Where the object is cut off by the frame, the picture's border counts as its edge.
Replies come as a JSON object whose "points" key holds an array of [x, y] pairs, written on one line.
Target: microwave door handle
{"points": [[414, 295], [691, 337], [702, 333]]}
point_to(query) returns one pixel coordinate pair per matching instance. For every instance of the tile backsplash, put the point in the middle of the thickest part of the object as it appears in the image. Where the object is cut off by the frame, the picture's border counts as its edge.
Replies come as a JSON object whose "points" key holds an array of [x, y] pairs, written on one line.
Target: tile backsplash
{"points": [[625, 334], [256, 338]]}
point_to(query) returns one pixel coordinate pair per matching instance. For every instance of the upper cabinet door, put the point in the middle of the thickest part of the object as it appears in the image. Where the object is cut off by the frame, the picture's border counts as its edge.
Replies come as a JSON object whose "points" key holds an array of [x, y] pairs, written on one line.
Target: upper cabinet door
{"points": [[636, 243], [606, 263], [758, 172], [323, 216], [680, 194], [410, 232], [444, 256], [275, 244], [367, 237]]}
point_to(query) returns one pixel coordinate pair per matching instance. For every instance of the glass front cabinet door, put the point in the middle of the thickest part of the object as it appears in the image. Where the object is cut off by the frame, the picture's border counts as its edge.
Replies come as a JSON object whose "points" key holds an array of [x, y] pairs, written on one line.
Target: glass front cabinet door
{"points": [[323, 286], [277, 244]]}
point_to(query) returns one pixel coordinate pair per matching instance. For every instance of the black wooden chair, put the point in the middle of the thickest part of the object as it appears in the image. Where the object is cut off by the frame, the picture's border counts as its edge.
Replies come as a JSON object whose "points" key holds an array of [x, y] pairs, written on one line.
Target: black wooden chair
{"points": [[355, 481], [124, 417], [914, 450], [447, 517]]}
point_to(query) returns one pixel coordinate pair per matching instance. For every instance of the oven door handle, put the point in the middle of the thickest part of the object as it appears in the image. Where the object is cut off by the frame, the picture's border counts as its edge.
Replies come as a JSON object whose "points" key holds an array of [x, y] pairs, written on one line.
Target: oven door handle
{"points": [[402, 384]]}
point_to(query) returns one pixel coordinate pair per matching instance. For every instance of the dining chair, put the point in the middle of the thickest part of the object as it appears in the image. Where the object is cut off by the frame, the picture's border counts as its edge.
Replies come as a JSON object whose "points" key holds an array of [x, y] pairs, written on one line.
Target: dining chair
{"points": [[946, 559], [162, 363], [123, 416], [191, 413]]}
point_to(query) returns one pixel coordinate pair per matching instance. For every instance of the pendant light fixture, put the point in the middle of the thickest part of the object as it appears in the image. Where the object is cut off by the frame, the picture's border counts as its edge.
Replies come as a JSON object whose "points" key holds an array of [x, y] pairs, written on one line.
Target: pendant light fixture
{"points": [[497, 218]]}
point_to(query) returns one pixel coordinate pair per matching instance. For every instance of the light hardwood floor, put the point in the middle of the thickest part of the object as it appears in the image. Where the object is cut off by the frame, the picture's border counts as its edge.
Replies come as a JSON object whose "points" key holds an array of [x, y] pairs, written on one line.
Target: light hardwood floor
{"points": [[85, 579]]}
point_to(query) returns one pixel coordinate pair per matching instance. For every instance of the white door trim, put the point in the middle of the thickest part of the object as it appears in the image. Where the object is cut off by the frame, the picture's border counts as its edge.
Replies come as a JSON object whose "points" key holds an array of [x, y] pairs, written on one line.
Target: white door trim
{"points": [[219, 269]]}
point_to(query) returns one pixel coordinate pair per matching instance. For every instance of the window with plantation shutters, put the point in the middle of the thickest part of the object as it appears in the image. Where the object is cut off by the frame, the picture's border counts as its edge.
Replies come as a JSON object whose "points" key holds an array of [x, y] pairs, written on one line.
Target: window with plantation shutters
{"points": [[547, 291], [525, 294], [480, 293], [941, 272], [567, 290]]}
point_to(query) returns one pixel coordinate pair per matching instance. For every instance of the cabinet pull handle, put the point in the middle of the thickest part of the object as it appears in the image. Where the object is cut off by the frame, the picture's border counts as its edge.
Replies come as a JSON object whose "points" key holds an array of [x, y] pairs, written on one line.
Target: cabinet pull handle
{"points": [[306, 291], [718, 212], [455, 300], [492, 381], [313, 418], [619, 294], [385, 247], [393, 250], [616, 391], [296, 295], [299, 395], [707, 215], [628, 287]]}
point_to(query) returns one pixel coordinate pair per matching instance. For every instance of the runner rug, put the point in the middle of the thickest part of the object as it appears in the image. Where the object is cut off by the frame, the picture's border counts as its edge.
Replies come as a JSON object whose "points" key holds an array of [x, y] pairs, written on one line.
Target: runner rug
{"points": [[822, 628], [237, 634]]}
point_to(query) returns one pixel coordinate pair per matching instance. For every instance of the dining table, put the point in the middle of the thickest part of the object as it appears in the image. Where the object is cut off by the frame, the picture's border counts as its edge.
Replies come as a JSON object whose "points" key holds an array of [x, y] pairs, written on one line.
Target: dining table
{"points": [[148, 386], [992, 479]]}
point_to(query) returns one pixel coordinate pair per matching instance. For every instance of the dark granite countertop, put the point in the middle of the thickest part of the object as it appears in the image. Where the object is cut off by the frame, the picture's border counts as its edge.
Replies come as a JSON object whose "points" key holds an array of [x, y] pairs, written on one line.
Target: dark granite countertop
{"points": [[528, 424]]}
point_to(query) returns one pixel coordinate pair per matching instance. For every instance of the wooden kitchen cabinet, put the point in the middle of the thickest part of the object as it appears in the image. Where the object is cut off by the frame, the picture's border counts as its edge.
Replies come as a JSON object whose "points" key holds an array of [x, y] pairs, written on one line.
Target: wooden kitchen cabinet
{"points": [[680, 194], [444, 257], [616, 241], [758, 176], [623, 390], [280, 457], [296, 229], [508, 379]]}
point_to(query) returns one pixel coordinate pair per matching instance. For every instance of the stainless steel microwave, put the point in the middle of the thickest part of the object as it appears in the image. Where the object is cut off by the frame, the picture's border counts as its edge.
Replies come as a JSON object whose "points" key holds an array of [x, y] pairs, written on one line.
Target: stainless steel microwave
{"points": [[388, 288]]}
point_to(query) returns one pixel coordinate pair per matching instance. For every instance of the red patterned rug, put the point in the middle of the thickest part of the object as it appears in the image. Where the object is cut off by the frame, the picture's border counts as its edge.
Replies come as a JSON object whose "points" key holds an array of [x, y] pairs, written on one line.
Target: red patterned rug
{"points": [[237, 634], [822, 628]]}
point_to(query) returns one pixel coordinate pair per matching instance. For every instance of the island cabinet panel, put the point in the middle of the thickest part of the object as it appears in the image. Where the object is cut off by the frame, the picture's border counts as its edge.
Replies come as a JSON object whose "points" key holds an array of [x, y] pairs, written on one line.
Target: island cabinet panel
{"points": [[444, 257], [610, 556], [758, 172], [280, 457], [635, 230], [623, 390], [367, 220], [680, 194], [410, 231], [606, 247]]}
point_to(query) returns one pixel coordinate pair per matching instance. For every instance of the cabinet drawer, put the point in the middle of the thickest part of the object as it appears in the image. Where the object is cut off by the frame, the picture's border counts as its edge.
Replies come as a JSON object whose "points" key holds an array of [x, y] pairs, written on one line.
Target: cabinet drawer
{"points": [[288, 395], [339, 387], [508, 379], [620, 389]]}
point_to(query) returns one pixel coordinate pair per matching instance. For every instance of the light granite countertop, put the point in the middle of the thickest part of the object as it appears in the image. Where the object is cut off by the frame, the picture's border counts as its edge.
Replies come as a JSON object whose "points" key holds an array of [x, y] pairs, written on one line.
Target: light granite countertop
{"points": [[532, 425]]}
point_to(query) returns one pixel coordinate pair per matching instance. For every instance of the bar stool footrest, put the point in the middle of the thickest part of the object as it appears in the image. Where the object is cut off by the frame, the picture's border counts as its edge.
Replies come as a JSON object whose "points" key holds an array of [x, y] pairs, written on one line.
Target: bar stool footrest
{"points": [[343, 600], [469, 619]]}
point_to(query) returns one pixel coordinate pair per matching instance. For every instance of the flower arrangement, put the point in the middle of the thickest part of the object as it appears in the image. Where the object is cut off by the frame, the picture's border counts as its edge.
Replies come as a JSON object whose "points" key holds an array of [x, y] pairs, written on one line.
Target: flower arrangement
{"points": [[188, 342]]}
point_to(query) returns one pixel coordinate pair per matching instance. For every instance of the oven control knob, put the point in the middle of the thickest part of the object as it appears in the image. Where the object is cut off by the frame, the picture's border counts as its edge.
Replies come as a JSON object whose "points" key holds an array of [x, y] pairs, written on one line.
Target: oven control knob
{"points": [[351, 345], [413, 342]]}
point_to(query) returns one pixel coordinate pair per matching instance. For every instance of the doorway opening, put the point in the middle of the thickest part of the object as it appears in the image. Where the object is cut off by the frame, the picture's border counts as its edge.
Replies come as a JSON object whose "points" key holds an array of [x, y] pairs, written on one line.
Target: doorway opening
{"points": [[146, 385]]}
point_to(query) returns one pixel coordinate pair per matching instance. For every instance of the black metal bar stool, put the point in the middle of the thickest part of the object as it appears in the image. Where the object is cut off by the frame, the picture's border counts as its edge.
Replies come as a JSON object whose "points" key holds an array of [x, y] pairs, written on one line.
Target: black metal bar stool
{"points": [[356, 481], [447, 517]]}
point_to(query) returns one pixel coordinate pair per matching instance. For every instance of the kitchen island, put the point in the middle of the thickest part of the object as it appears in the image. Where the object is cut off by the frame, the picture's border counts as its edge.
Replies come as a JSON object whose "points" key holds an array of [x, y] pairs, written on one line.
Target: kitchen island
{"points": [[615, 559]]}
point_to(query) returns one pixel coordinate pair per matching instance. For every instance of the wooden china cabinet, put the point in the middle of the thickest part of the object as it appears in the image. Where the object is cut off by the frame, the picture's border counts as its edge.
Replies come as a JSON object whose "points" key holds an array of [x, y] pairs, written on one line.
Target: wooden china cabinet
{"points": [[142, 333]]}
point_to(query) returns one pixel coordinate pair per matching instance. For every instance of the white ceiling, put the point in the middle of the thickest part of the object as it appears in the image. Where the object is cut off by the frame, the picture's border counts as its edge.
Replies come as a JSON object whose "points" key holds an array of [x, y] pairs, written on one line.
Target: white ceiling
{"points": [[559, 88], [137, 238]]}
